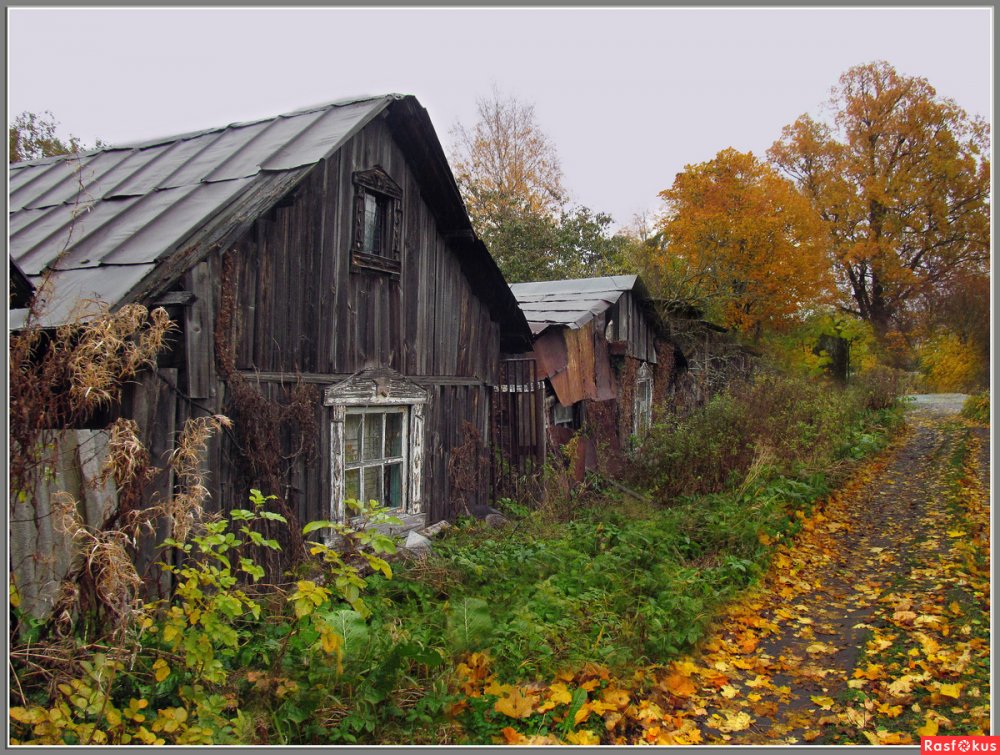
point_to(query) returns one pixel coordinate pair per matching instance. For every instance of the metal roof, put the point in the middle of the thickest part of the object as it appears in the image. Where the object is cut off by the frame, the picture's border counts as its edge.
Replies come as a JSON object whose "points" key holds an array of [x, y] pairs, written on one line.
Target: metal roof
{"points": [[570, 303], [103, 219]]}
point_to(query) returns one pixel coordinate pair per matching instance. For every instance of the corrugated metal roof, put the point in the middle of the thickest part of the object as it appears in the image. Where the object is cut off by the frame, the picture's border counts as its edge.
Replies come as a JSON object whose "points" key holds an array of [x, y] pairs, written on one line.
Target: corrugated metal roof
{"points": [[569, 303], [102, 219]]}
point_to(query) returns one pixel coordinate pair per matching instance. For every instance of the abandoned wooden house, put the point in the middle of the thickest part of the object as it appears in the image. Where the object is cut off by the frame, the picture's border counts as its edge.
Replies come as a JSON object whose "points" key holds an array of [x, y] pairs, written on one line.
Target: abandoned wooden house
{"points": [[331, 296], [601, 351]]}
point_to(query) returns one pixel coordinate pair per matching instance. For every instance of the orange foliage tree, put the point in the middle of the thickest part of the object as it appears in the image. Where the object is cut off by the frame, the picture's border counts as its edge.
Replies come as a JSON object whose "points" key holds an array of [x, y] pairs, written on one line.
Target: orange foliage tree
{"points": [[741, 241], [902, 177]]}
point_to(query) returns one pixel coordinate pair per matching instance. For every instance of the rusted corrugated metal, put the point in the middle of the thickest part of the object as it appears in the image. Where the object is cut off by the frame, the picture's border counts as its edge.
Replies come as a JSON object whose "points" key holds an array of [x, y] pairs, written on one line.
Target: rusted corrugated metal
{"points": [[577, 364]]}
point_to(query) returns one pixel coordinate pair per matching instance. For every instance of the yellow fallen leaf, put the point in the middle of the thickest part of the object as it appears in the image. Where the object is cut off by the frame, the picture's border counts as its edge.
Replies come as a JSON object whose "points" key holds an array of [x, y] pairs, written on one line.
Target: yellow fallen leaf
{"points": [[678, 685], [559, 694], [733, 721], [516, 704], [950, 690], [729, 691], [512, 736], [495, 688], [956, 533], [820, 647], [822, 701], [929, 729], [892, 711], [616, 698], [584, 737]]}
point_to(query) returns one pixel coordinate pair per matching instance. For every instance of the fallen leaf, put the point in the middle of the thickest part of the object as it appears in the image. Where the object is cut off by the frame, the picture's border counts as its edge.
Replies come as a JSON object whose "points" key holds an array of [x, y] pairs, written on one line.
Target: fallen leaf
{"points": [[929, 729], [733, 721], [950, 690], [516, 704], [822, 701], [678, 685], [513, 737], [584, 737]]}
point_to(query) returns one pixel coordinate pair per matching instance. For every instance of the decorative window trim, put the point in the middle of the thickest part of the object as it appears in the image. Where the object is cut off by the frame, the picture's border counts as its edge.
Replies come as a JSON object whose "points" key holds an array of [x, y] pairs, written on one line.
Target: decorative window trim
{"points": [[374, 389], [641, 420], [380, 184]]}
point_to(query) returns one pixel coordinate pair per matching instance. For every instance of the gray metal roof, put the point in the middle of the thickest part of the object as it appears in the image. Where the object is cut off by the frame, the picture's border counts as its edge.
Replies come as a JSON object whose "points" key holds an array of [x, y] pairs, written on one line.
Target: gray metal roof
{"points": [[103, 219], [569, 303]]}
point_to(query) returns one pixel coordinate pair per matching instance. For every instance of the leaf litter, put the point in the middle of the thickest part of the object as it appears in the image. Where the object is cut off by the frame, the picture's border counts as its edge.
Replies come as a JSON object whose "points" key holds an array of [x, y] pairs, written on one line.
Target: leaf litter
{"points": [[870, 627]]}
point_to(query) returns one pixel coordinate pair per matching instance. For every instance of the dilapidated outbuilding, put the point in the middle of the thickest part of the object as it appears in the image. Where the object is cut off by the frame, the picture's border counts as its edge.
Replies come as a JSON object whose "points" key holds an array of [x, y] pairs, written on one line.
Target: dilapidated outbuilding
{"points": [[601, 350], [331, 297]]}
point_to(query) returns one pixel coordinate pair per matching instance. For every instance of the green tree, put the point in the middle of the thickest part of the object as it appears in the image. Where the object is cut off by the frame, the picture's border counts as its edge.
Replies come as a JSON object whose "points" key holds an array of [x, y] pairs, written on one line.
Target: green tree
{"points": [[33, 135], [902, 178]]}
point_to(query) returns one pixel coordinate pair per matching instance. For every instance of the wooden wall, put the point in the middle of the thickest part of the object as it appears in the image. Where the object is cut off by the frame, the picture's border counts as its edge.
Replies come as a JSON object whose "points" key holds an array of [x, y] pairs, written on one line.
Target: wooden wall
{"points": [[300, 310], [629, 323]]}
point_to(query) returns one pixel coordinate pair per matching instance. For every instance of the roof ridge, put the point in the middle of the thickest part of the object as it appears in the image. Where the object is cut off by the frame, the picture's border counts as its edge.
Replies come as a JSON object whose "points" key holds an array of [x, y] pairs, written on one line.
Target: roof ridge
{"points": [[167, 139]]}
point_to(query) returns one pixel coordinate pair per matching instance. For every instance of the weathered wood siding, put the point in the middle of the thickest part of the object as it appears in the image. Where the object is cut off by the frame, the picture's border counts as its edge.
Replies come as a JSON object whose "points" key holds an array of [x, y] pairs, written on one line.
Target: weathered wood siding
{"points": [[629, 323], [300, 309]]}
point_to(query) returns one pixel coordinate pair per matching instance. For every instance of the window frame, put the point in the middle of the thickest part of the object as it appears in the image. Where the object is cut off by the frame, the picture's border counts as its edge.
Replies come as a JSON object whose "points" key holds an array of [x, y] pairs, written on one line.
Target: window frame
{"points": [[377, 390], [384, 460], [642, 420], [378, 184]]}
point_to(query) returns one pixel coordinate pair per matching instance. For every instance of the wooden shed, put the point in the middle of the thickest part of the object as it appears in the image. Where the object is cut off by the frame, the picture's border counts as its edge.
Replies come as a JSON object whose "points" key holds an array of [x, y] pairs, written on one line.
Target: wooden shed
{"points": [[601, 350], [331, 295]]}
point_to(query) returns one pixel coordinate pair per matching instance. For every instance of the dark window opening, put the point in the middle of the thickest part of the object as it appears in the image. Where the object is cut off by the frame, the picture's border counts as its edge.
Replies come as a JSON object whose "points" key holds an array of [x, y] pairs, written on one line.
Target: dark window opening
{"points": [[378, 221]]}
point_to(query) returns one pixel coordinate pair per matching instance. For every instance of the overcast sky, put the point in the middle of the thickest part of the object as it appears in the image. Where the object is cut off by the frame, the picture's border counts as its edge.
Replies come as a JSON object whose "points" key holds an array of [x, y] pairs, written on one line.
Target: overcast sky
{"points": [[629, 97]]}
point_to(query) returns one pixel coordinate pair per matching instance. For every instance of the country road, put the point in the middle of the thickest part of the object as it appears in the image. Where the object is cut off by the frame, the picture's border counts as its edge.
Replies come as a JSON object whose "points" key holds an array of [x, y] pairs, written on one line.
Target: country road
{"points": [[872, 626]]}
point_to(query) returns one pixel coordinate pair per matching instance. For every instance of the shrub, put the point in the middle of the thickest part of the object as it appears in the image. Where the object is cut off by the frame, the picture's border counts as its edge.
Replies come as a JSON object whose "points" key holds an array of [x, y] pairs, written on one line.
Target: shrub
{"points": [[787, 424], [880, 387], [977, 408]]}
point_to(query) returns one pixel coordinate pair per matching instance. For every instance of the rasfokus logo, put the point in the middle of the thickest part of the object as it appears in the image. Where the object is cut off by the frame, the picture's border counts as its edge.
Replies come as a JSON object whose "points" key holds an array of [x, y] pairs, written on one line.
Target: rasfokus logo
{"points": [[959, 745]]}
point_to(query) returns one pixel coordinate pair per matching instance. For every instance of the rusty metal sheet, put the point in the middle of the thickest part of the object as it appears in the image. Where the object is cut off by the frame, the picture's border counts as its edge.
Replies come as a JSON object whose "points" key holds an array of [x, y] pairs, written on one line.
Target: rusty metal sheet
{"points": [[566, 357]]}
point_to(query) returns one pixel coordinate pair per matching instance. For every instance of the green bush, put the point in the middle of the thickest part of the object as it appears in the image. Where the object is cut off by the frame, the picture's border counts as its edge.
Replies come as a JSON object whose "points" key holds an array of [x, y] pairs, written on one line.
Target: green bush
{"points": [[977, 408], [777, 424]]}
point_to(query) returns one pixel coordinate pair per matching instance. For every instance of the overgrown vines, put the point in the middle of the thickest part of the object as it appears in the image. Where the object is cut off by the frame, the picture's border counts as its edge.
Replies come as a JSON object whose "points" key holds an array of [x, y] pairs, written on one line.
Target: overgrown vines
{"points": [[271, 437]]}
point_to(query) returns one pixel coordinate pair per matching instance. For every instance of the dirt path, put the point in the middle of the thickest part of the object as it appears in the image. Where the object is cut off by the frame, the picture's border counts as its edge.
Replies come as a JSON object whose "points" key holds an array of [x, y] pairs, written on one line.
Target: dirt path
{"points": [[872, 625]]}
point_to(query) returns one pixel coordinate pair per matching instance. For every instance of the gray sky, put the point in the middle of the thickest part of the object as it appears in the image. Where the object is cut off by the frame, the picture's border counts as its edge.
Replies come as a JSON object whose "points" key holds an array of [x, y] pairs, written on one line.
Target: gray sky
{"points": [[629, 97]]}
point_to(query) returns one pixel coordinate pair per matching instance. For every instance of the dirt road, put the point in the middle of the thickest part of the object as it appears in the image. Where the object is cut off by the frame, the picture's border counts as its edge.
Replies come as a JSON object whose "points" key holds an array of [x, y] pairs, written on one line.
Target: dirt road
{"points": [[873, 625]]}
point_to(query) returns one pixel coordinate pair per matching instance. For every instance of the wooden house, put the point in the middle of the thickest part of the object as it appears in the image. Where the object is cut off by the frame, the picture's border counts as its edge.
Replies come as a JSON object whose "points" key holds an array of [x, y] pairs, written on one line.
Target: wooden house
{"points": [[601, 350], [331, 297]]}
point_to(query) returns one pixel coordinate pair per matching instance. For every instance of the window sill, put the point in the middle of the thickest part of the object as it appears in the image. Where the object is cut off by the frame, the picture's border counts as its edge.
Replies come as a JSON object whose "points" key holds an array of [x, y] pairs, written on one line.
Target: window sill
{"points": [[372, 263]]}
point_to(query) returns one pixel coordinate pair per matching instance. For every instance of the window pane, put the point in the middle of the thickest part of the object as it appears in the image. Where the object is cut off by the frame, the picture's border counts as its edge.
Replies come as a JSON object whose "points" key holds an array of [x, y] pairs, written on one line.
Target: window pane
{"points": [[393, 435], [373, 484], [352, 484], [373, 437], [393, 482], [352, 437], [372, 224]]}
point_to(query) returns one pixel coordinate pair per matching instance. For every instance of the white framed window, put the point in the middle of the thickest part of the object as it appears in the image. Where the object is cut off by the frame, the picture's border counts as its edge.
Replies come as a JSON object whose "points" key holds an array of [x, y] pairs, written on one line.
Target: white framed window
{"points": [[642, 414], [376, 442], [375, 451]]}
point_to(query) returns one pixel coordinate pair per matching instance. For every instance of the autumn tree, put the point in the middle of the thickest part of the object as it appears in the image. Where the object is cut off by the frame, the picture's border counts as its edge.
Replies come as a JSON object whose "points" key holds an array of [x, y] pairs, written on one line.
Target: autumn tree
{"points": [[32, 136], [902, 178], [509, 173], [739, 241], [506, 164]]}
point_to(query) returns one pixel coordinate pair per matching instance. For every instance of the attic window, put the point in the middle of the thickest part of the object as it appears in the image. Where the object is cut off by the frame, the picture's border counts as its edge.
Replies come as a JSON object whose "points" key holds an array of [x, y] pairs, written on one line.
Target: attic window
{"points": [[378, 220]]}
